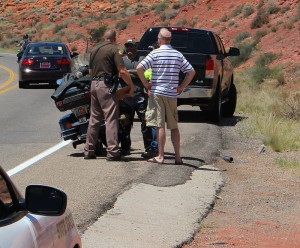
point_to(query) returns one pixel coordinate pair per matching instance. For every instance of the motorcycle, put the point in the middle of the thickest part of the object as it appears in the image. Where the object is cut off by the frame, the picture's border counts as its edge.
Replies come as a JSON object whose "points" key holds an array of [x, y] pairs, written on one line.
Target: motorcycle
{"points": [[73, 94]]}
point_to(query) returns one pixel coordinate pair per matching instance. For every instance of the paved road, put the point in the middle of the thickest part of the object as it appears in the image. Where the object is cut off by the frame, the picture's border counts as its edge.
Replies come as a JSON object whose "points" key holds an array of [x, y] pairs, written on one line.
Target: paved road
{"points": [[115, 204]]}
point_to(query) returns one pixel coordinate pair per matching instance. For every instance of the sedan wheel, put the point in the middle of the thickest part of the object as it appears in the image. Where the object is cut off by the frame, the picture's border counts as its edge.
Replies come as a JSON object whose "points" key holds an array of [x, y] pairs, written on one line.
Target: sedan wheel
{"points": [[22, 85]]}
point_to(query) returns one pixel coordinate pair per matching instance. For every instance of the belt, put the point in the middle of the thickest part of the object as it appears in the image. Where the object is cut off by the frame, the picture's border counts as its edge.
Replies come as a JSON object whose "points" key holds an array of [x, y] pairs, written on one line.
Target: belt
{"points": [[98, 78]]}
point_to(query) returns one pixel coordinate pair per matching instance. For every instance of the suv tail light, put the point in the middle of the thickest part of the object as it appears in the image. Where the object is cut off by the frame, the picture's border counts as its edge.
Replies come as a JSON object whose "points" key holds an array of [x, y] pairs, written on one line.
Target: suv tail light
{"points": [[209, 68], [27, 62], [63, 61]]}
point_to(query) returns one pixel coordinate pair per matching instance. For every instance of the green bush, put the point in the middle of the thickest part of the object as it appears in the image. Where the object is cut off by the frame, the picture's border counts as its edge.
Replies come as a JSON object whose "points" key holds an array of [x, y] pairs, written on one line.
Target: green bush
{"points": [[248, 10], [122, 24], [272, 7], [194, 20], [176, 5], [238, 10], [246, 49], [241, 36], [59, 27], [159, 7], [169, 14], [97, 33], [181, 22], [260, 70], [260, 19], [259, 34]]}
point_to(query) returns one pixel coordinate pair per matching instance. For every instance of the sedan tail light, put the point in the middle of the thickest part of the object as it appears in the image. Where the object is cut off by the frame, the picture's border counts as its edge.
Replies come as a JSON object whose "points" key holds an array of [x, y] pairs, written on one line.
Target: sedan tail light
{"points": [[63, 61], [27, 61]]}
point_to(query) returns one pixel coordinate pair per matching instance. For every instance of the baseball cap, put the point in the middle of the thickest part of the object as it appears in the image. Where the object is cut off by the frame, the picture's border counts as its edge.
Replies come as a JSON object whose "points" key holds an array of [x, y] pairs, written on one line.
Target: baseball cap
{"points": [[132, 42]]}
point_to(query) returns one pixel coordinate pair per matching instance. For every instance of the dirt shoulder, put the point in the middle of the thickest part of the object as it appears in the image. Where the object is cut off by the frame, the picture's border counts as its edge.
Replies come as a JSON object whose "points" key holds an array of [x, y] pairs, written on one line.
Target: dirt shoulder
{"points": [[259, 204]]}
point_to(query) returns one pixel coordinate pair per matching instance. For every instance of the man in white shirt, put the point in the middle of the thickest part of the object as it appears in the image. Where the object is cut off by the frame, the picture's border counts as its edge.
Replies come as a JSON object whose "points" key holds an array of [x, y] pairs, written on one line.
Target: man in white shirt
{"points": [[166, 64]]}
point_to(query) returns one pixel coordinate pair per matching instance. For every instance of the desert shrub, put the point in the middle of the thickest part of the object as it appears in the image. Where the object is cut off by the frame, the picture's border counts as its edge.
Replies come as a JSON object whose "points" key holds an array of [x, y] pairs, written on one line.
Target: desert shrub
{"points": [[225, 18], [194, 20], [72, 36], [52, 17], [284, 9], [260, 19], [289, 24], [259, 34], [286, 162], [246, 49], [159, 7], [238, 10], [241, 36], [232, 23], [169, 14], [298, 12], [292, 106], [260, 4], [77, 12], [97, 33], [176, 5], [181, 22], [222, 29], [260, 70], [215, 23], [134, 9], [121, 25], [58, 2], [59, 27], [274, 28], [265, 106], [272, 7], [248, 9]]}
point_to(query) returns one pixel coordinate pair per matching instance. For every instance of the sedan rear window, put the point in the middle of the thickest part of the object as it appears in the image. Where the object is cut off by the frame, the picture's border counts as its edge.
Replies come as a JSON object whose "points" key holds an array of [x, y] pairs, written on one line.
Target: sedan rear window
{"points": [[46, 50]]}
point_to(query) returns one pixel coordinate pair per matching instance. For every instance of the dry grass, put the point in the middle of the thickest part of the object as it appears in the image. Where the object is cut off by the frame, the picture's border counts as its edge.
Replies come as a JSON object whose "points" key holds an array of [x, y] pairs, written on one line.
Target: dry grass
{"points": [[273, 113]]}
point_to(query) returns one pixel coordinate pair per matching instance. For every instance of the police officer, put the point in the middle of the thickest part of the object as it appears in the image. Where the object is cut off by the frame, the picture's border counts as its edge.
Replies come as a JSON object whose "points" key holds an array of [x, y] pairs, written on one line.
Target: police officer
{"points": [[136, 104], [105, 62]]}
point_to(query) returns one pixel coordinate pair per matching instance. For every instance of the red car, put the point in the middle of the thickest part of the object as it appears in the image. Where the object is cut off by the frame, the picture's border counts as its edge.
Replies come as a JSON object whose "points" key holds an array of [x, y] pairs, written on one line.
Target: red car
{"points": [[44, 63]]}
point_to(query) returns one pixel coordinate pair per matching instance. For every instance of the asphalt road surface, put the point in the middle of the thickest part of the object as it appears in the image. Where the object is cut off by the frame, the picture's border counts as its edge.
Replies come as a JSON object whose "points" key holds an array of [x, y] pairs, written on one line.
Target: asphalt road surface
{"points": [[114, 204]]}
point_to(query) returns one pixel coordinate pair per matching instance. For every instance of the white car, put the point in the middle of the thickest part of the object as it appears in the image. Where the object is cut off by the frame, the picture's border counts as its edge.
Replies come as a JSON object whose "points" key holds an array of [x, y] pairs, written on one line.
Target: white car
{"points": [[39, 220]]}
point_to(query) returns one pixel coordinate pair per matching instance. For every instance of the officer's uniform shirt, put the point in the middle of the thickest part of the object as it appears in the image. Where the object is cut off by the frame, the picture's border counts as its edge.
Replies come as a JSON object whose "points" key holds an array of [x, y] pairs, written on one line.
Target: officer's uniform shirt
{"points": [[105, 60]]}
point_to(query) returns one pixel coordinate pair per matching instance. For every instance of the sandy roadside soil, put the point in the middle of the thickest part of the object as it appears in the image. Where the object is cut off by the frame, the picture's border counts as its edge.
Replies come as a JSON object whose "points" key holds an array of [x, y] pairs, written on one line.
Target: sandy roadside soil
{"points": [[259, 205]]}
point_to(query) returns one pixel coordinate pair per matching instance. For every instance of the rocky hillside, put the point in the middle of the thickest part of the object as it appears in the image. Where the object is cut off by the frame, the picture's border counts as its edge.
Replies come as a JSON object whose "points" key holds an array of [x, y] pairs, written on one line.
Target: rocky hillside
{"points": [[255, 26]]}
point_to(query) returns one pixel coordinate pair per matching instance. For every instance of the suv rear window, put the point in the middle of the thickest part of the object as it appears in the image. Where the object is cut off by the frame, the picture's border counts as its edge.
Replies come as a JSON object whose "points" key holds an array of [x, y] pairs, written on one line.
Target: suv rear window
{"points": [[183, 41]]}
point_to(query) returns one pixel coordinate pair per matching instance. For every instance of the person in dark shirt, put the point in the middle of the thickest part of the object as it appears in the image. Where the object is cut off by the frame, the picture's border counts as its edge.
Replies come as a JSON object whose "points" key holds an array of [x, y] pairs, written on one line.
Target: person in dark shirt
{"points": [[136, 104]]}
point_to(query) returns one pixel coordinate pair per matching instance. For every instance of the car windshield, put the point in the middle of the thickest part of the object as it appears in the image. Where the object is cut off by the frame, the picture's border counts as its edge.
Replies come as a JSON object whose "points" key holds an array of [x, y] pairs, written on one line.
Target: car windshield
{"points": [[46, 50]]}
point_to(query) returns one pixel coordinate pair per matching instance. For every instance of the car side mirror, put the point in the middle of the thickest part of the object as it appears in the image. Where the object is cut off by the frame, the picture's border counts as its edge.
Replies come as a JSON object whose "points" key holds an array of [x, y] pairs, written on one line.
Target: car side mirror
{"points": [[45, 200], [233, 51]]}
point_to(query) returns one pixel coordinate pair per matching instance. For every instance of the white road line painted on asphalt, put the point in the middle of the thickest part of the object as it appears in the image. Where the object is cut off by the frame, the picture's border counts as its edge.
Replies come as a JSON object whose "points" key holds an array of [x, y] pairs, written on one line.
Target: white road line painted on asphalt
{"points": [[37, 158]]}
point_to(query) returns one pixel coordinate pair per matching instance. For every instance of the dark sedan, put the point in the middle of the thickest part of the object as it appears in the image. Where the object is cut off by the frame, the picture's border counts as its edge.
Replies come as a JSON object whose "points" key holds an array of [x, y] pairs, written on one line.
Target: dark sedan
{"points": [[44, 63]]}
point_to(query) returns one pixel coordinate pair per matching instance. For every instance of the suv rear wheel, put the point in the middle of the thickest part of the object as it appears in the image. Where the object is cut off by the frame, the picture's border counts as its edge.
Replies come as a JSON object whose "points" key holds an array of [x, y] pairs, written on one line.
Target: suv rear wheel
{"points": [[214, 115], [228, 107]]}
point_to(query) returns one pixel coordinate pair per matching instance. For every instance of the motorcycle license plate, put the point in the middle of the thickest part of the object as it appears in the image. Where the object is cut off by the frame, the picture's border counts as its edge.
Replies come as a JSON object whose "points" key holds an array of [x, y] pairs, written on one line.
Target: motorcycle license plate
{"points": [[45, 65]]}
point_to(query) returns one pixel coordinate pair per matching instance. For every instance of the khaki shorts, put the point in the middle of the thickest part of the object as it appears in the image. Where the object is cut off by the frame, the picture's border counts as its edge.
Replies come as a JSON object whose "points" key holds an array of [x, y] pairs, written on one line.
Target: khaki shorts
{"points": [[161, 110]]}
